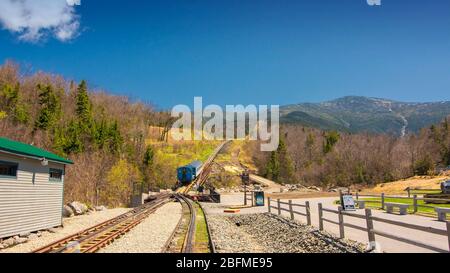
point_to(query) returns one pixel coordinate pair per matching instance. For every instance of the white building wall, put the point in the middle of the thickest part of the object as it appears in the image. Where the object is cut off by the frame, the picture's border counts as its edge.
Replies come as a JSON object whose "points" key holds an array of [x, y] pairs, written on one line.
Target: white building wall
{"points": [[31, 202]]}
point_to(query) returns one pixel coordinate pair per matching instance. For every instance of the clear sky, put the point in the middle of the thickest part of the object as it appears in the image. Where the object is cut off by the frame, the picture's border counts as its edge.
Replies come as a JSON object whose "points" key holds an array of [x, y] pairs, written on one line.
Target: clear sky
{"points": [[239, 51]]}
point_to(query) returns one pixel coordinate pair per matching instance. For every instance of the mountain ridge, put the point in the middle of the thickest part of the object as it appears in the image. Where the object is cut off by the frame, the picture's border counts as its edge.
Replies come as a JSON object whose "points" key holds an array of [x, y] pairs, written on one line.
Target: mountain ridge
{"points": [[356, 114]]}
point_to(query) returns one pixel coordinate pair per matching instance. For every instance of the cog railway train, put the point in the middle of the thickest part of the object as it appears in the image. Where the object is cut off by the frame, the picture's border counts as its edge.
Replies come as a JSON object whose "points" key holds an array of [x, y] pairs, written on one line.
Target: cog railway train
{"points": [[187, 174]]}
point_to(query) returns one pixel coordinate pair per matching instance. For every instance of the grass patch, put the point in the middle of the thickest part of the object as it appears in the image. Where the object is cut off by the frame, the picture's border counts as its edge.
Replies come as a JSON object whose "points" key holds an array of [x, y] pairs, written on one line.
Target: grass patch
{"points": [[201, 232]]}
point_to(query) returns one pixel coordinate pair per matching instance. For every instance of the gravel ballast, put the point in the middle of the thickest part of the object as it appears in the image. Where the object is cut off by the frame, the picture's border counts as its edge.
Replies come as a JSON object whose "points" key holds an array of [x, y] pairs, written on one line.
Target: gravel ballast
{"points": [[269, 233], [151, 235], [71, 226]]}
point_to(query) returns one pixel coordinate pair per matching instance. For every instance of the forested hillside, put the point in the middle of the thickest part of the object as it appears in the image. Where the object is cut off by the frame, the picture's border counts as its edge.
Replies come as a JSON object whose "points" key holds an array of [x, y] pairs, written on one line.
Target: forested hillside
{"points": [[330, 158], [103, 134]]}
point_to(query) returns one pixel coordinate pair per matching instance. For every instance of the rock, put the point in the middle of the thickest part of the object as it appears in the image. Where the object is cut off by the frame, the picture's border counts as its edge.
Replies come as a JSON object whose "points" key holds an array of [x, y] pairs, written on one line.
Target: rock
{"points": [[52, 230], [67, 211], [2, 246], [33, 236], [21, 240], [25, 234], [78, 208], [9, 242], [100, 208], [314, 188]]}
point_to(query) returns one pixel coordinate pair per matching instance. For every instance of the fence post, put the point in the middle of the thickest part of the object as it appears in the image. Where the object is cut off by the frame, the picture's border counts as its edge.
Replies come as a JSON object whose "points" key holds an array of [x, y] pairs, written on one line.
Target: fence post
{"points": [[369, 223], [448, 234], [341, 223], [279, 207], [308, 213], [357, 196], [382, 201], [415, 203], [245, 196], [409, 192], [320, 217], [290, 210], [268, 203]]}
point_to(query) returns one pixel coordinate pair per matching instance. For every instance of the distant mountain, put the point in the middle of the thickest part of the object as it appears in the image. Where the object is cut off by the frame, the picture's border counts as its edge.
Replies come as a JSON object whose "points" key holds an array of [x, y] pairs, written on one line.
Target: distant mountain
{"points": [[363, 114]]}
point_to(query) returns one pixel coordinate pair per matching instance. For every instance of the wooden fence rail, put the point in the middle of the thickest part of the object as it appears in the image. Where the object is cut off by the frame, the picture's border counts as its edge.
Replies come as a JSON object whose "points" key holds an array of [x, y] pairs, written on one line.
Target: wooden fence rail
{"points": [[415, 204], [290, 209], [369, 223], [371, 231]]}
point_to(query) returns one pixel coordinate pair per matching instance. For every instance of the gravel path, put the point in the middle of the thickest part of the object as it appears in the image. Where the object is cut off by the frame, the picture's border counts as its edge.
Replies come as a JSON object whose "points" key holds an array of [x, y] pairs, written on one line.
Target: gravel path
{"points": [[71, 226], [150, 235], [272, 234]]}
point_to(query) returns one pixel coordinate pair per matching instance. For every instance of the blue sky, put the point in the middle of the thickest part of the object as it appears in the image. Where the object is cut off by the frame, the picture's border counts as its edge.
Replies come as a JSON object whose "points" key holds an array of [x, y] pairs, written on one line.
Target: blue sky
{"points": [[245, 51]]}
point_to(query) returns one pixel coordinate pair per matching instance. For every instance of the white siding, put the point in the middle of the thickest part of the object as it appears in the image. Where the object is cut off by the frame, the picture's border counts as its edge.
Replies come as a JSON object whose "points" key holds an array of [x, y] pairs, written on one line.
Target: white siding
{"points": [[27, 205]]}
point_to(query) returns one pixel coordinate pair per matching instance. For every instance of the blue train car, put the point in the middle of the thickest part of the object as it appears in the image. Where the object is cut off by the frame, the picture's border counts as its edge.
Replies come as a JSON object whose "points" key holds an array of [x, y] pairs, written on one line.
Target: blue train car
{"points": [[187, 174]]}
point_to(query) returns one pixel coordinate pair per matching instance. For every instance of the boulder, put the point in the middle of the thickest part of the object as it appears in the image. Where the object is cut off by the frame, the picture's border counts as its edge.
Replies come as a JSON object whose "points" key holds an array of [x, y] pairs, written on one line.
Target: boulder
{"points": [[9, 242], [20, 240], [67, 211], [25, 234], [100, 208], [78, 208], [314, 188]]}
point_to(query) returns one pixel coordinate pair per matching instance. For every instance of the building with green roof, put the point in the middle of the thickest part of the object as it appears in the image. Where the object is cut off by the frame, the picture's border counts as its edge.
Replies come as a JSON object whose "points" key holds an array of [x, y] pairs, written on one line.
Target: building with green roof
{"points": [[31, 188]]}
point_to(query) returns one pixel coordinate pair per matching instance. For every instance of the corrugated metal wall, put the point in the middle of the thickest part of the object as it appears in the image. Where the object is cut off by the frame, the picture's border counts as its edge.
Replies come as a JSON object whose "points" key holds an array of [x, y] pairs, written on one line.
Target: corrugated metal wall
{"points": [[31, 202]]}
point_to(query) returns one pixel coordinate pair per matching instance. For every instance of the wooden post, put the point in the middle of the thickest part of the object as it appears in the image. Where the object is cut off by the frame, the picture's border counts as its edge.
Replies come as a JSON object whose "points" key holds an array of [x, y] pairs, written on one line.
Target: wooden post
{"points": [[279, 207], [415, 203], [369, 223], [320, 217], [245, 195], [251, 198], [448, 234], [357, 196], [409, 192], [341, 223], [382, 201], [308, 213], [268, 203], [290, 210]]}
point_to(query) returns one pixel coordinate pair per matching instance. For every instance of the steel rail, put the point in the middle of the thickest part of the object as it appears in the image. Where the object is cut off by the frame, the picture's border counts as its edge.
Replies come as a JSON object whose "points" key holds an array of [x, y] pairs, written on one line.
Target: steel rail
{"points": [[95, 237]]}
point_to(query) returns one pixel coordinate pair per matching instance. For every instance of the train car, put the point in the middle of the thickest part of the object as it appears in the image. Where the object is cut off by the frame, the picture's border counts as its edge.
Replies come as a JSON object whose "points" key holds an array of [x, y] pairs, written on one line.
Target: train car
{"points": [[187, 174]]}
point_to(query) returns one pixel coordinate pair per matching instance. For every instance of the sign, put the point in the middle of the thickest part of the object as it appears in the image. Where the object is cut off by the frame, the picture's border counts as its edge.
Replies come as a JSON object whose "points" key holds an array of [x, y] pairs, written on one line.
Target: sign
{"points": [[245, 178], [347, 202], [259, 198]]}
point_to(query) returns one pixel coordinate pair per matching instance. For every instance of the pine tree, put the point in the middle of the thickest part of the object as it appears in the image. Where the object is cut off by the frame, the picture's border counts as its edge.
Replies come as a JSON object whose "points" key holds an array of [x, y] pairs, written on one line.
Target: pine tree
{"points": [[84, 107], [50, 108], [331, 138], [114, 138], [14, 104]]}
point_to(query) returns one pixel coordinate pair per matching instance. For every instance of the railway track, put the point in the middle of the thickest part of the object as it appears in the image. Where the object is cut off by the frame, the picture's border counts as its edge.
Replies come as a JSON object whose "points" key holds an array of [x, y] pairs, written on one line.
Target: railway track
{"points": [[92, 239], [182, 238]]}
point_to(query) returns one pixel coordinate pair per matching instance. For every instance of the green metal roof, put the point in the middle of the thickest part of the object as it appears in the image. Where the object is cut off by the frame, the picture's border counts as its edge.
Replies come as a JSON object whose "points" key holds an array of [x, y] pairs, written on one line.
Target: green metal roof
{"points": [[23, 149]]}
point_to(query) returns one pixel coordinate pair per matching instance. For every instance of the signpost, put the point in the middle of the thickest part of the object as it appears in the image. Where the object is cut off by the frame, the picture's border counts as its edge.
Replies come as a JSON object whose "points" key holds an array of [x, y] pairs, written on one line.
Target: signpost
{"points": [[347, 202]]}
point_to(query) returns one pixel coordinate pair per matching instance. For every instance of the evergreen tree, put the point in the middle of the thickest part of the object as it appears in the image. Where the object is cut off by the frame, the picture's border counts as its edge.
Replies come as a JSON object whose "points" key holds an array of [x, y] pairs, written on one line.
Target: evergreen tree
{"points": [[331, 138], [114, 138], [50, 108], [148, 156], [84, 107], [14, 104]]}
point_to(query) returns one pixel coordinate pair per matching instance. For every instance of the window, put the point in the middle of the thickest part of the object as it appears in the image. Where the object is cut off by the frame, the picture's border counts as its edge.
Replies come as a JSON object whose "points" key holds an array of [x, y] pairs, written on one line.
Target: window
{"points": [[8, 169], [55, 175]]}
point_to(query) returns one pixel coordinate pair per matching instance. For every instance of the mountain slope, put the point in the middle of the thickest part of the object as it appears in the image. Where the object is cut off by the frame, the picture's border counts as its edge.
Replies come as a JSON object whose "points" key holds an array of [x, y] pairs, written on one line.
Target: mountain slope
{"points": [[363, 114]]}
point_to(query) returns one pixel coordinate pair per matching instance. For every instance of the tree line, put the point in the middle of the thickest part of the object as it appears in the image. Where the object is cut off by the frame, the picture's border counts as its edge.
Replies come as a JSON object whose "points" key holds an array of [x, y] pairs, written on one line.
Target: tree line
{"points": [[329, 158], [103, 134]]}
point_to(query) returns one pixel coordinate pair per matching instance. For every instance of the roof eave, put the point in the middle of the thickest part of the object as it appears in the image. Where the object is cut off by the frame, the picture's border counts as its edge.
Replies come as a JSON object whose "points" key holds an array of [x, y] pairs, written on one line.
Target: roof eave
{"points": [[68, 162]]}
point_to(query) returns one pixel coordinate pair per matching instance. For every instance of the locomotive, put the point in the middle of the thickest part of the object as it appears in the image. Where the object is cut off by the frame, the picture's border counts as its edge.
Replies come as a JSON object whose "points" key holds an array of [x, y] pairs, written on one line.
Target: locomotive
{"points": [[187, 174]]}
